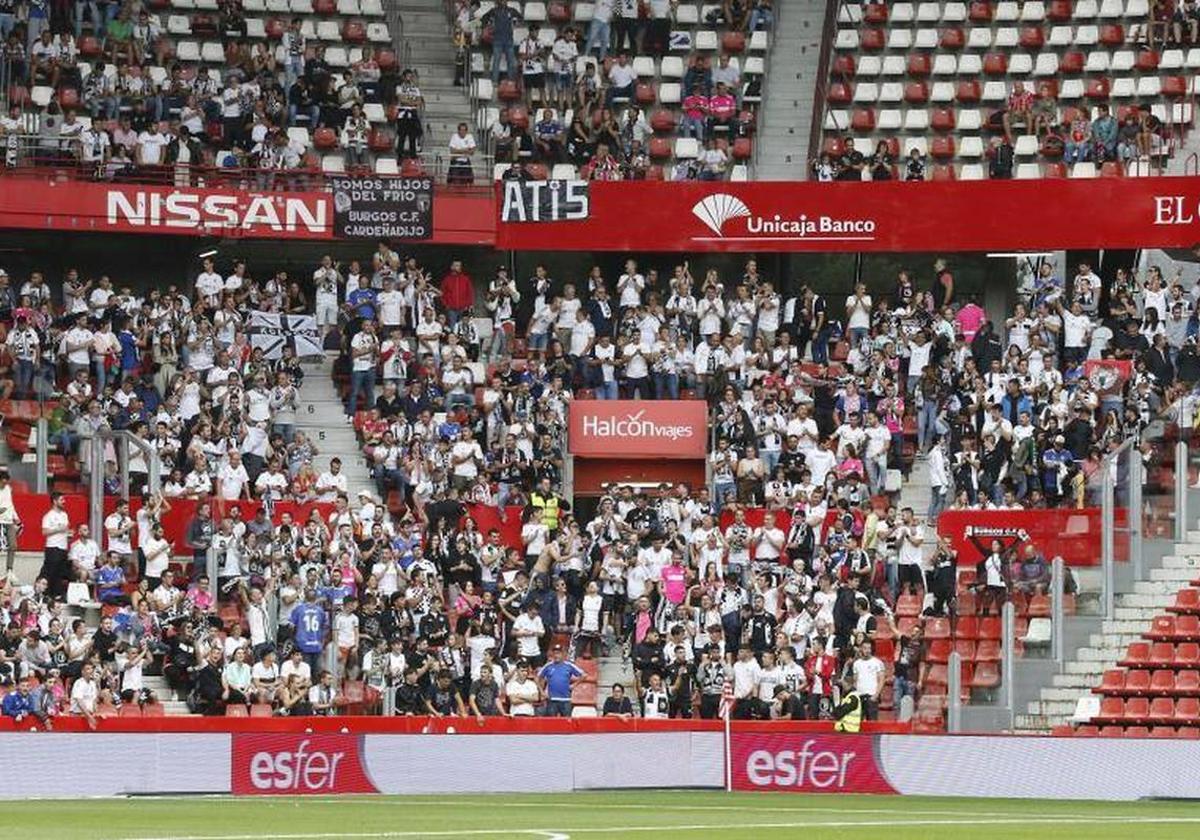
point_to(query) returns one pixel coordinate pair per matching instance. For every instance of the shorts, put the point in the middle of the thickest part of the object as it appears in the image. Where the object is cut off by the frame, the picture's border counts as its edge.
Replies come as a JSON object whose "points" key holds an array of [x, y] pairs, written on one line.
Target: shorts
{"points": [[534, 81], [327, 314], [613, 602], [910, 573], [564, 81]]}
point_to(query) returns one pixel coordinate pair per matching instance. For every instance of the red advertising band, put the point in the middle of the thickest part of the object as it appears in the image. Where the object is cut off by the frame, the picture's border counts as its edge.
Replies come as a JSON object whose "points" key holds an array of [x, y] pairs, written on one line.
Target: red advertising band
{"points": [[638, 428], [1161, 212], [894, 216]]}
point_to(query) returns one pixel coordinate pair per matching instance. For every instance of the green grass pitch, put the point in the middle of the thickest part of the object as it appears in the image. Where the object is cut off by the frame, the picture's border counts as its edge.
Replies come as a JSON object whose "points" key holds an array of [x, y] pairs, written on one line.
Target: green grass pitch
{"points": [[695, 815]]}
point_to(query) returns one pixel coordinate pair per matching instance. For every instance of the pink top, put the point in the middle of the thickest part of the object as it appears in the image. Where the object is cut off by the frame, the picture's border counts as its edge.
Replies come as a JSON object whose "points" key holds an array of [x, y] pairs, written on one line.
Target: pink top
{"points": [[695, 105], [674, 581], [970, 318]]}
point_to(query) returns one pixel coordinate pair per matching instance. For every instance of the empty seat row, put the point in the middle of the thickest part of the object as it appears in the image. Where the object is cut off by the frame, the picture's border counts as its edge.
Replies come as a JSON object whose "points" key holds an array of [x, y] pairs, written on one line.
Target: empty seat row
{"points": [[921, 65], [1185, 710], [1141, 682], [978, 38], [1185, 655], [981, 11]]}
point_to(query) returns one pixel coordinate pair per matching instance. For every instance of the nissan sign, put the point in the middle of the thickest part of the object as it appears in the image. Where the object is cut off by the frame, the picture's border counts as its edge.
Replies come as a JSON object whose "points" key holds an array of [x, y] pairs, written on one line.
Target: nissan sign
{"points": [[638, 428]]}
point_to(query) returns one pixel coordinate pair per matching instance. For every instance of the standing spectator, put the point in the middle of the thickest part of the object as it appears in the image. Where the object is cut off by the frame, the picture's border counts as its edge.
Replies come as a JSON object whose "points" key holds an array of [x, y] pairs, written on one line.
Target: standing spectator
{"points": [[600, 29], [458, 292], [556, 679], [462, 148], [501, 18]]}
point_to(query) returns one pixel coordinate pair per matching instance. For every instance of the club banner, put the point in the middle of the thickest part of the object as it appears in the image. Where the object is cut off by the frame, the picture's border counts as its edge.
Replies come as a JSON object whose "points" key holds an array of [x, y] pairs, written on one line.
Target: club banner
{"points": [[271, 332], [383, 208], [1108, 376], [1073, 534], [897, 216], [638, 428], [543, 201]]}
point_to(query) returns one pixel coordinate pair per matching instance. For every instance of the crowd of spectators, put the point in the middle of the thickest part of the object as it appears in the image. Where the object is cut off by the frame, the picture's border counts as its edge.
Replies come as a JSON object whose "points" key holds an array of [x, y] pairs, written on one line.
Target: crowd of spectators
{"points": [[579, 118], [155, 115], [812, 401]]}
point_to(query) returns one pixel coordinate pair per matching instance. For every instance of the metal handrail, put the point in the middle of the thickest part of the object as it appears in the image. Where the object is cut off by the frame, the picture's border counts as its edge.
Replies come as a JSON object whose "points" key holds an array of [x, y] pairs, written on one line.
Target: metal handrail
{"points": [[833, 10]]}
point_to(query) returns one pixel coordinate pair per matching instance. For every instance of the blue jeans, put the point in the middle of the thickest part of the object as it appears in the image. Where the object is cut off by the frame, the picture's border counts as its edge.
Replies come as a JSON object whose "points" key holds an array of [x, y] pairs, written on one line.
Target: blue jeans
{"points": [[926, 422], [24, 377], [459, 399], [499, 345], [293, 69], [101, 374], [858, 335], [361, 380], [761, 19], [937, 502], [311, 111], [607, 391], [538, 341], [98, 26], [820, 346], [508, 52], [903, 687], [7, 22], [876, 472], [692, 127], [600, 32], [666, 386], [558, 708]]}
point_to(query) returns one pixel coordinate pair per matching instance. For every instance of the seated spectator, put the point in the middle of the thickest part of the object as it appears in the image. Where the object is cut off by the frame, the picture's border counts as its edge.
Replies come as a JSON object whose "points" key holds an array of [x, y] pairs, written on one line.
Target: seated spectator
{"points": [[1019, 111], [622, 78], [1001, 158], [461, 150]]}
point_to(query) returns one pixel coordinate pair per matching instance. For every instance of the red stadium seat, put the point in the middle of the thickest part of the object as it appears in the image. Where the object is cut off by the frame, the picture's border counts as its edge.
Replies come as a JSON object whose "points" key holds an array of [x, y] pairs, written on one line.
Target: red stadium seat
{"points": [[987, 650], [965, 648], [733, 42], [844, 66], [743, 148], [1054, 169], [660, 148], [559, 13], [325, 138], [942, 119], [1032, 37], [990, 627], [354, 31], [1162, 628], [1162, 681], [908, 605], [1112, 682], [644, 94], [1039, 606], [919, 64], [1187, 710], [1162, 732], [981, 11], [1162, 655], [875, 14], [1187, 627], [385, 57], [943, 172], [1072, 62], [1059, 11], [872, 40], [1111, 708], [1098, 89], [508, 91], [325, 8], [1187, 683], [1186, 601], [89, 46], [863, 119], [380, 140], [1112, 35], [839, 93], [662, 120], [1137, 708], [953, 38], [1147, 61], [1162, 711], [236, 710], [968, 92], [1174, 86], [1187, 655], [1112, 169], [1136, 732], [1137, 682], [987, 675], [939, 651], [916, 93], [274, 29]]}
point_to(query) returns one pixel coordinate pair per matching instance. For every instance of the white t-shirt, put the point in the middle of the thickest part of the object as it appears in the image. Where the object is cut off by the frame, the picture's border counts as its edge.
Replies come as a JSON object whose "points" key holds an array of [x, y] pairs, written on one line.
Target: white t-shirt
{"points": [[529, 645], [362, 341], [233, 479], [152, 145], [859, 313], [54, 520], [345, 625], [867, 675], [156, 558], [119, 544]]}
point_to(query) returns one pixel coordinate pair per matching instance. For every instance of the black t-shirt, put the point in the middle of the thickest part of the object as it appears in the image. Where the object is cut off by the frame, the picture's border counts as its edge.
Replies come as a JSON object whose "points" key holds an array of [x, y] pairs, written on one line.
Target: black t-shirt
{"points": [[612, 706], [686, 674]]}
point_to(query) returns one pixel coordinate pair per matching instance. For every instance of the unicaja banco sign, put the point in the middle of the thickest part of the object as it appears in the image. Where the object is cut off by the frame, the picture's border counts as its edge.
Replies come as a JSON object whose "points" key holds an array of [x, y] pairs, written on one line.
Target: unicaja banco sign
{"points": [[729, 218], [638, 428]]}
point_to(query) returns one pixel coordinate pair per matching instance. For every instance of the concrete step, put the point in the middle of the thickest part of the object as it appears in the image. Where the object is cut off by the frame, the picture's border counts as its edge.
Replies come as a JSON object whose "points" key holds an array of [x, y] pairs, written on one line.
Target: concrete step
{"points": [[1079, 682], [1182, 561], [1052, 707], [1088, 667], [1142, 614], [1031, 724], [1180, 576]]}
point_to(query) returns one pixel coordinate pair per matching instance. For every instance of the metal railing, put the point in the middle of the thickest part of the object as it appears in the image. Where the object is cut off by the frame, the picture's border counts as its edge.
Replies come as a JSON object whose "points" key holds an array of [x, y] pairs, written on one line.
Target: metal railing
{"points": [[36, 156], [833, 12]]}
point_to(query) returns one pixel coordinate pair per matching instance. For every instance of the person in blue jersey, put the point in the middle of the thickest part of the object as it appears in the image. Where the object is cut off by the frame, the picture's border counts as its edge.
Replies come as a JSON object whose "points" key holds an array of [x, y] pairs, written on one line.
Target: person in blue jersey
{"points": [[312, 625], [558, 677]]}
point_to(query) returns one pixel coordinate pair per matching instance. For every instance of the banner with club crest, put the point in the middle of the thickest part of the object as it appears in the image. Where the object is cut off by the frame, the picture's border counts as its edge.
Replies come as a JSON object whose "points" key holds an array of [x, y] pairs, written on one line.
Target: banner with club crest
{"points": [[273, 331]]}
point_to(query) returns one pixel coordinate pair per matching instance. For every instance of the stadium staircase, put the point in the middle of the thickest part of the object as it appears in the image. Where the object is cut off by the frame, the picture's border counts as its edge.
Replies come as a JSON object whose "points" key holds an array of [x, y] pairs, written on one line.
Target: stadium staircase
{"points": [[428, 49], [1137, 663], [322, 418], [789, 97]]}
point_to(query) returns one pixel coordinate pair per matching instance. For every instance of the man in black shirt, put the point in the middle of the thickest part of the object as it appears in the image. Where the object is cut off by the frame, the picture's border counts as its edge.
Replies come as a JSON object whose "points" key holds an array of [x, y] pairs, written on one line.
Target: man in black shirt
{"points": [[210, 692], [410, 696], [647, 659], [760, 629], [617, 704], [788, 705], [485, 694], [441, 699], [680, 681]]}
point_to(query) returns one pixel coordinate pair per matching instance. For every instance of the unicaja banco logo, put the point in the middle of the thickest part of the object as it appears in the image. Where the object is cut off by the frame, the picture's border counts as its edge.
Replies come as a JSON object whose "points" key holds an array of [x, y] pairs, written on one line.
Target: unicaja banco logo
{"points": [[715, 210]]}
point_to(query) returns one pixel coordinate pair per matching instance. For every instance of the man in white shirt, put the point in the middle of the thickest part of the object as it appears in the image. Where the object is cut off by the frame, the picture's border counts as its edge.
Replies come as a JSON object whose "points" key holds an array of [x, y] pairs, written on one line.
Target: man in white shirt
{"points": [[747, 674], [78, 344], [9, 518], [152, 144], [631, 284], [84, 554], [158, 555], [364, 350], [233, 482], [858, 314], [84, 694], [637, 369], [56, 529], [332, 483], [768, 543], [528, 630], [465, 458], [869, 674]]}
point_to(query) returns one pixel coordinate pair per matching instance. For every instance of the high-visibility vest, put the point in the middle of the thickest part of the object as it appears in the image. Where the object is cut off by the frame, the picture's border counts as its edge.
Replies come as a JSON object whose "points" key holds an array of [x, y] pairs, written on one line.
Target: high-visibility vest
{"points": [[852, 720], [548, 506]]}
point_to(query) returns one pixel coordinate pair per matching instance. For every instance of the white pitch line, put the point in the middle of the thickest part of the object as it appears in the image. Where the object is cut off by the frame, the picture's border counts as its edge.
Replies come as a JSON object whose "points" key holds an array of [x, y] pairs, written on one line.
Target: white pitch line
{"points": [[484, 832], [370, 799]]}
